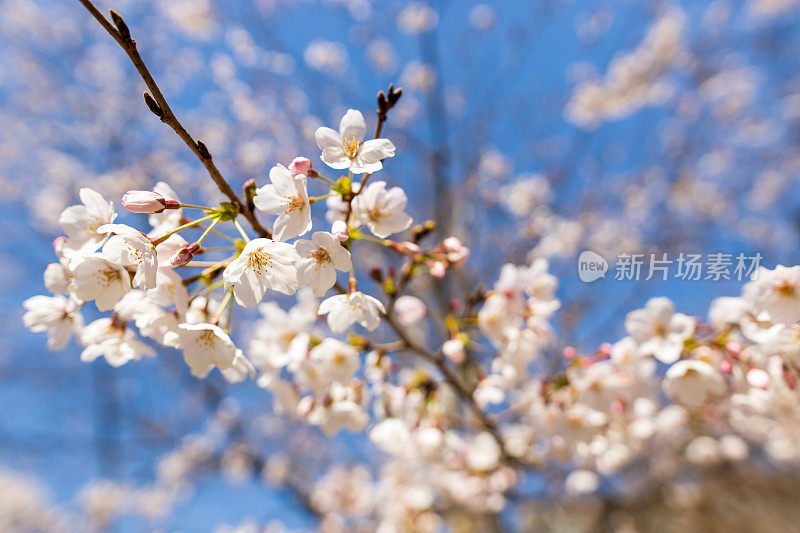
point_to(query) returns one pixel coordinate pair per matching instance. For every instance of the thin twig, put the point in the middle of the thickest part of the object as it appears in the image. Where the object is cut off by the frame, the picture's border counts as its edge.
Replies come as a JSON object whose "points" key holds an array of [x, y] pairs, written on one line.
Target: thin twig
{"points": [[159, 106]]}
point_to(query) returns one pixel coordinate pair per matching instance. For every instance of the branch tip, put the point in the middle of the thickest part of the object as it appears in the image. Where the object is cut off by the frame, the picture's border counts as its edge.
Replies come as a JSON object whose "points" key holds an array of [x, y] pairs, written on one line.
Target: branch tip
{"points": [[123, 29], [203, 150], [153, 105]]}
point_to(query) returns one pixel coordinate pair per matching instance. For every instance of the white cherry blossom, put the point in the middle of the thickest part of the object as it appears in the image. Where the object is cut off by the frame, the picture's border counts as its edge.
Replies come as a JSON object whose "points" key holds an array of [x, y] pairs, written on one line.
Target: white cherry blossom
{"points": [[344, 310], [170, 290], [775, 293], [96, 278], [131, 248], [56, 315], [381, 209], [115, 342], [321, 257], [659, 331], [347, 148], [339, 360], [263, 264], [286, 197], [206, 346], [81, 222], [239, 370], [693, 382]]}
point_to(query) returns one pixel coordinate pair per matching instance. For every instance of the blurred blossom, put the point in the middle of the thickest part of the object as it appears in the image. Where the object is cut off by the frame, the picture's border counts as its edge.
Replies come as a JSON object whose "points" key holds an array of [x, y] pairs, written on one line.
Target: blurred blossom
{"points": [[417, 17], [193, 17], [419, 76], [482, 17], [326, 56], [382, 56]]}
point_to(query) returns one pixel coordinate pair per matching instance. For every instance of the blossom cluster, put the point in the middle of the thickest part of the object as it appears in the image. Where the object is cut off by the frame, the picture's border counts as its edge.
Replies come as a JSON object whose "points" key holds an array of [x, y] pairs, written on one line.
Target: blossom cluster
{"points": [[675, 394]]}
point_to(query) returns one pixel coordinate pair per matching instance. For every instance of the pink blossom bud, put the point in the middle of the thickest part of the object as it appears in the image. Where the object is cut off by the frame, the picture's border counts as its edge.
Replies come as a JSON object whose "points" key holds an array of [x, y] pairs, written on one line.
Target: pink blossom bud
{"points": [[58, 244], [300, 165], [733, 347], [143, 202], [184, 255], [569, 352], [454, 350], [758, 378], [617, 406], [409, 310], [603, 352], [437, 268], [340, 231], [456, 252], [725, 366], [407, 249]]}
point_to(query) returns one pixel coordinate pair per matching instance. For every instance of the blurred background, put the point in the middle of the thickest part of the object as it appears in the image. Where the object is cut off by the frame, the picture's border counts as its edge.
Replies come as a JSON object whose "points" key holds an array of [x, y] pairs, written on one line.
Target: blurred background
{"points": [[527, 129]]}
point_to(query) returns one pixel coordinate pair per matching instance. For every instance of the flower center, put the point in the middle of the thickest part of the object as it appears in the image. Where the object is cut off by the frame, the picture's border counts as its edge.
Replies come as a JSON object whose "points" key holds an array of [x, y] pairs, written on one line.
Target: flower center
{"points": [[260, 261], [292, 203], [107, 277], [350, 144], [784, 288], [320, 256], [207, 339]]}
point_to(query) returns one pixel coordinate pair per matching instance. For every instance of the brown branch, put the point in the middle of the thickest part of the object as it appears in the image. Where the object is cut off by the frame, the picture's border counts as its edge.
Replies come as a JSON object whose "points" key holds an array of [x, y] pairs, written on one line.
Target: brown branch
{"points": [[452, 379], [159, 106]]}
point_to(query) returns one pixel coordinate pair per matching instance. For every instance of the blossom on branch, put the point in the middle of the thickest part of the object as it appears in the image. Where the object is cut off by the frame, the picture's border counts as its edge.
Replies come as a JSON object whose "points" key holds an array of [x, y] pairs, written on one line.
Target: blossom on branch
{"points": [[347, 148]]}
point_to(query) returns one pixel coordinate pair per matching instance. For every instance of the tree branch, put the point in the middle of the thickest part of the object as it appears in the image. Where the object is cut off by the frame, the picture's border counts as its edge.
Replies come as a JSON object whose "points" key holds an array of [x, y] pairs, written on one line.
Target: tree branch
{"points": [[159, 106]]}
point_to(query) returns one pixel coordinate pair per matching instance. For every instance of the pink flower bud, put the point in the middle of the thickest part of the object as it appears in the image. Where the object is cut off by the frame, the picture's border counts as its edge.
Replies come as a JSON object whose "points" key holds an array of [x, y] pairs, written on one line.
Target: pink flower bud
{"points": [[184, 255], [758, 378], [409, 310], [437, 268], [733, 347], [300, 165], [456, 252], [143, 202], [340, 231], [454, 350], [407, 249], [569, 352], [58, 243]]}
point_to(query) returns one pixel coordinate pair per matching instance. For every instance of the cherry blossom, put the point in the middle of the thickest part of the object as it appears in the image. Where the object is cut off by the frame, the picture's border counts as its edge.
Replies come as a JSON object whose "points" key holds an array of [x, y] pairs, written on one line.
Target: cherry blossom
{"points": [[263, 264], [347, 147], [286, 197], [82, 222], [344, 310], [96, 278], [775, 293], [130, 248], [321, 257], [56, 315], [381, 209], [693, 383], [339, 360], [115, 342], [206, 346], [659, 331]]}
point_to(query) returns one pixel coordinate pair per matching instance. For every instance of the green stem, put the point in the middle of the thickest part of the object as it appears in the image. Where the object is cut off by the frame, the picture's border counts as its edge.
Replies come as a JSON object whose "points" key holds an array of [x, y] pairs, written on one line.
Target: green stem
{"points": [[191, 206], [357, 235], [225, 301], [241, 231], [207, 231], [314, 199], [326, 180], [181, 228]]}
